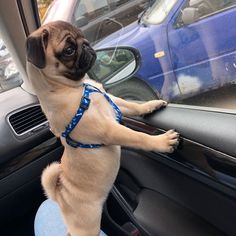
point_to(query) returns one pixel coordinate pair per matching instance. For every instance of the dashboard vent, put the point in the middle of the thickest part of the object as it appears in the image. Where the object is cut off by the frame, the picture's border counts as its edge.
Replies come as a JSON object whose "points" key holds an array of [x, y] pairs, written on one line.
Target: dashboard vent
{"points": [[27, 119]]}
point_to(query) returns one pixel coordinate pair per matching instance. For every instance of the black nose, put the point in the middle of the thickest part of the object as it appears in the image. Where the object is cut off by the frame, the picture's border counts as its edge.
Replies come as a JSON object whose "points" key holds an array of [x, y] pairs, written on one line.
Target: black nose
{"points": [[86, 48]]}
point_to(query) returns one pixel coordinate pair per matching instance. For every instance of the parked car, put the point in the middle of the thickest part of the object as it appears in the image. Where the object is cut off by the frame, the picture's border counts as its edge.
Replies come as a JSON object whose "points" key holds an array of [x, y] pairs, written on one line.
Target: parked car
{"points": [[9, 75], [97, 19], [167, 36], [3, 50], [191, 192]]}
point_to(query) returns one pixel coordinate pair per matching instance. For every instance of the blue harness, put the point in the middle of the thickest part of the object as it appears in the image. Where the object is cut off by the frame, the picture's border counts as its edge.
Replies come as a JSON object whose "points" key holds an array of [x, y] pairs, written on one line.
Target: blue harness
{"points": [[84, 105]]}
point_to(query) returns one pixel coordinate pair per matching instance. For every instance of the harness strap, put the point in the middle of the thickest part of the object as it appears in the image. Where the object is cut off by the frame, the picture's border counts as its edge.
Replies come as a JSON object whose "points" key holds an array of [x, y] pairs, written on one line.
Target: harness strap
{"points": [[84, 105]]}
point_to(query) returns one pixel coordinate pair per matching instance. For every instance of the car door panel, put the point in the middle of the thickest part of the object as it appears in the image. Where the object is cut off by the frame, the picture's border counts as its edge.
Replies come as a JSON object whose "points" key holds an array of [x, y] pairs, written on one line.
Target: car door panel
{"points": [[172, 218], [209, 127], [23, 185], [212, 64], [189, 192]]}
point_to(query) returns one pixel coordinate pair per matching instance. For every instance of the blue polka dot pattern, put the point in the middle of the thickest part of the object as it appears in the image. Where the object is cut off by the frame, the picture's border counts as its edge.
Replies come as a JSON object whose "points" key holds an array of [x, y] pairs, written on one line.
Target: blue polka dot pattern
{"points": [[84, 105]]}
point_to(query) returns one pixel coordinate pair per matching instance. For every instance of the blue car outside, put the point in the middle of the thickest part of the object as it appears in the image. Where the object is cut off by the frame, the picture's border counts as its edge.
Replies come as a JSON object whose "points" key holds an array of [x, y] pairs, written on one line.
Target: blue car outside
{"points": [[186, 46]]}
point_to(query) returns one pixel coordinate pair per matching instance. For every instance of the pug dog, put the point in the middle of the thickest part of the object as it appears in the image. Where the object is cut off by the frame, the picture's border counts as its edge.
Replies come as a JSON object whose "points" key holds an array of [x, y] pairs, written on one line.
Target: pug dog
{"points": [[58, 58]]}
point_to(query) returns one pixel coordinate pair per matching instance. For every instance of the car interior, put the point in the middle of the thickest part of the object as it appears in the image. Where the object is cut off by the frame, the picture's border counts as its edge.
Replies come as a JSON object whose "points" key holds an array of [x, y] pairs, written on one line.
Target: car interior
{"points": [[189, 192]]}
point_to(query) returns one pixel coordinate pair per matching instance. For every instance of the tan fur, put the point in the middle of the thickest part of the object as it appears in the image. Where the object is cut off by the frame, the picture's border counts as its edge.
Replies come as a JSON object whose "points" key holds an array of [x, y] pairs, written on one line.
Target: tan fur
{"points": [[51, 179], [81, 182]]}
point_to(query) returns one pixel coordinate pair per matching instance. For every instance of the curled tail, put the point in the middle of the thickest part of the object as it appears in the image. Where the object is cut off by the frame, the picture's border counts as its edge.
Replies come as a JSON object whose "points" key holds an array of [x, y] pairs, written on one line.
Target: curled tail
{"points": [[50, 180]]}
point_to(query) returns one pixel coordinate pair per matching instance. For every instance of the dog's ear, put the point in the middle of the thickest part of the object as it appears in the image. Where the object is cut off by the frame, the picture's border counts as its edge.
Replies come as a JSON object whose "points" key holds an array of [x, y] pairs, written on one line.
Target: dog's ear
{"points": [[36, 46]]}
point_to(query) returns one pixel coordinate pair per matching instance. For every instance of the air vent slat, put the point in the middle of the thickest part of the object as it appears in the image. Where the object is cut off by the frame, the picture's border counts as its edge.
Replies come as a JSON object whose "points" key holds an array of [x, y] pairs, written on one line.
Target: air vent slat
{"points": [[27, 119], [25, 112], [30, 124], [24, 116]]}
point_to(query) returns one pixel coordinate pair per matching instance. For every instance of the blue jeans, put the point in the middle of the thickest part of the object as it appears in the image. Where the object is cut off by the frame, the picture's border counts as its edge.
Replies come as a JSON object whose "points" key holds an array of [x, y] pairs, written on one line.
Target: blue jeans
{"points": [[48, 220]]}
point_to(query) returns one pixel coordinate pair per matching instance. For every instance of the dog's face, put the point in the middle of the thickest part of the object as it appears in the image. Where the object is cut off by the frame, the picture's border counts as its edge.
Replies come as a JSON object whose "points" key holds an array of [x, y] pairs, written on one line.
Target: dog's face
{"points": [[60, 50]]}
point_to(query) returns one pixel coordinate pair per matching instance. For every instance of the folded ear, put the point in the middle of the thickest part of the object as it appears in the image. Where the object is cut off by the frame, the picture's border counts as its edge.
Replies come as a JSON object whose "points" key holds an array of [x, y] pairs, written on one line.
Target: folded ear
{"points": [[36, 46]]}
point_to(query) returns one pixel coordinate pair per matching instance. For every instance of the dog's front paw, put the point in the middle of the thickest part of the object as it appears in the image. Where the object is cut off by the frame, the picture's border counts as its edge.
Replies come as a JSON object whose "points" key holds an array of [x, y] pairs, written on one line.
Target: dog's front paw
{"points": [[167, 142], [149, 107]]}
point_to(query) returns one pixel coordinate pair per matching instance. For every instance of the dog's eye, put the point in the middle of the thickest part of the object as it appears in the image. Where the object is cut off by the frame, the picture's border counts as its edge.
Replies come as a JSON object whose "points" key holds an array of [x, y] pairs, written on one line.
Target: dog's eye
{"points": [[69, 51]]}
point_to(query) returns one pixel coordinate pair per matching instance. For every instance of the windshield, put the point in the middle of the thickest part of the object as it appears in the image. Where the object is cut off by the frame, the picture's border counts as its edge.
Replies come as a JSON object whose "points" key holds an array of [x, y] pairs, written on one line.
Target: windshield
{"points": [[158, 12]]}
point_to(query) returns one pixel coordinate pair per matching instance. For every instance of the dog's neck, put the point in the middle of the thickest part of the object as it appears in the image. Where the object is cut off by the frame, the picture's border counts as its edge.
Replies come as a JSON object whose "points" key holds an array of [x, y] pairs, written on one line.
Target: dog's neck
{"points": [[44, 85], [53, 96]]}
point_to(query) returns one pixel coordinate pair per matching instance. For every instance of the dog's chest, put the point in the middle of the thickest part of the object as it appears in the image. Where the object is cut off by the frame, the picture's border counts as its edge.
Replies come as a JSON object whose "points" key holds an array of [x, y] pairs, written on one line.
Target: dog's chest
{"points": [[58, 113]]}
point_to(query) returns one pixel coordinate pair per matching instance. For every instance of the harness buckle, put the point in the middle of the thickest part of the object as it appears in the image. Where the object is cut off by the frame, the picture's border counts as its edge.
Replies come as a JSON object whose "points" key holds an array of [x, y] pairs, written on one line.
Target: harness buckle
{"points": [[85, 101]]}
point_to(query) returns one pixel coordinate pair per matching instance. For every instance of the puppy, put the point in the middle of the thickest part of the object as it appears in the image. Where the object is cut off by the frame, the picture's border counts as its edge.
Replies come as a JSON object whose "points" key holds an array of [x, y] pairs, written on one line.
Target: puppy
{"points": [[58, 57]]}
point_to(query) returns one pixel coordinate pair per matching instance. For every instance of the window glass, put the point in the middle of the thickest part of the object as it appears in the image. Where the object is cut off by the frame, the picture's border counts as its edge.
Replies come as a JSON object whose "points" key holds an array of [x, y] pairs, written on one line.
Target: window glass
{"points": [[159, 11], [210, 77], [208, 7], [186, 49], [97, 19], [9, 75], [91, 9], [119, 2], [42, 7], [196, 10]]}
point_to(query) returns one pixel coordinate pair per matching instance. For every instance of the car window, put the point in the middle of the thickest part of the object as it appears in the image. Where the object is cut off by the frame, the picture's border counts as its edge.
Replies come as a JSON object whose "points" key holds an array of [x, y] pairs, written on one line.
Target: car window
{"points": [[97, 19], [119, 2], [210, 78], [200, 9], [9, 75], [186, 49], [90, 9]]}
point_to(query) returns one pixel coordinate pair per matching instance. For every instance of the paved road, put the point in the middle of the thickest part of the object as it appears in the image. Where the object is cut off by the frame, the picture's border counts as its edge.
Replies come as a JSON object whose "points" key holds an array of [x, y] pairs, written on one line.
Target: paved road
{"points": [[221, 98]]}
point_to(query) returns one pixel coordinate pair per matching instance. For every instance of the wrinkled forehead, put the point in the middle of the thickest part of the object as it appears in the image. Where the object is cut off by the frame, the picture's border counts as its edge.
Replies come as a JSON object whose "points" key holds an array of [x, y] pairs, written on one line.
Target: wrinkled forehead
{"points": [[58, 30]]}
